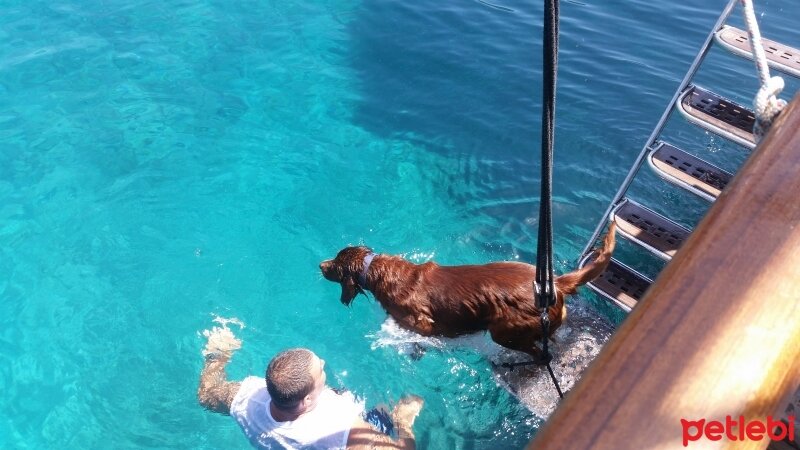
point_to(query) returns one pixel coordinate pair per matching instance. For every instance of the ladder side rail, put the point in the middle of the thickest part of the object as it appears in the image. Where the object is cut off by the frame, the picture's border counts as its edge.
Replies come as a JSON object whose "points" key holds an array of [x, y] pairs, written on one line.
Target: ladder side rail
{"points": [[659, 126]]}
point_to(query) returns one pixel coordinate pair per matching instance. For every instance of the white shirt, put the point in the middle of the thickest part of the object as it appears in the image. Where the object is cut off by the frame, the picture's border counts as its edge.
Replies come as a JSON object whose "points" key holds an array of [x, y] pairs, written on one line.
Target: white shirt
{"points": [[327, 426]]}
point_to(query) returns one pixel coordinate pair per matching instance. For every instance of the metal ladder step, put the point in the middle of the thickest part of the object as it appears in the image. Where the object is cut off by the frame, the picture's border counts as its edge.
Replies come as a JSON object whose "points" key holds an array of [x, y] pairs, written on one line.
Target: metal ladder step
{"points": [[718, 115], [687, 171], [779, 57], [649, 229], [620, 284]]}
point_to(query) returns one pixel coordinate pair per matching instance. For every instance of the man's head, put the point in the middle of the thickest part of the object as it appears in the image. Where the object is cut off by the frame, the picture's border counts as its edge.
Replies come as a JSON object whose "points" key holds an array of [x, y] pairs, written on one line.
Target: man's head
{"points": [[295, 378]]}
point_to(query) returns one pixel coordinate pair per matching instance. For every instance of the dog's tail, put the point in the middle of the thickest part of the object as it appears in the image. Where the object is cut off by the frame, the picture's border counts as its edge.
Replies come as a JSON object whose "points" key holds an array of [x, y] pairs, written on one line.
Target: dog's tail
{"points": [[569, 282]]}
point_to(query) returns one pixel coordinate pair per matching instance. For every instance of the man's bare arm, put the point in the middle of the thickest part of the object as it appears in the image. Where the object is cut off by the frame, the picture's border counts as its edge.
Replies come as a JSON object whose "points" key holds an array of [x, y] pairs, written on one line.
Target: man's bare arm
{"points": [[215, 391]]}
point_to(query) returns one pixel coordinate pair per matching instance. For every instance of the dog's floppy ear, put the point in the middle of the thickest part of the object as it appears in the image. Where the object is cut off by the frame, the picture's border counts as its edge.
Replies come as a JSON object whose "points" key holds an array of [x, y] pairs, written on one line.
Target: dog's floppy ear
{"points": [[349, 290]]}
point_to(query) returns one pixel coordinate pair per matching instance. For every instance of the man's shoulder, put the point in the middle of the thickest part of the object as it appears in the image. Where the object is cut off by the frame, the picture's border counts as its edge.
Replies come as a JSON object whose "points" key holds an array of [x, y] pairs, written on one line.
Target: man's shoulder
{"points": [[253, 380], [250, 388], [344, 405], [346, 397]]}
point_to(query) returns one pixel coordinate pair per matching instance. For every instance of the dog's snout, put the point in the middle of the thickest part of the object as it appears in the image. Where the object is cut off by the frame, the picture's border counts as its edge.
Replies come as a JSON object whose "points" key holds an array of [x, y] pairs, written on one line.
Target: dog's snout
{"points": [[328, 270]]}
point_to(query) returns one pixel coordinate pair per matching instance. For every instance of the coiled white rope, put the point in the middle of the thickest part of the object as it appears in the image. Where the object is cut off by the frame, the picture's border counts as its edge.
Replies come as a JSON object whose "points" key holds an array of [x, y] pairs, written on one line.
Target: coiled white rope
{"points": [[767, 104]]}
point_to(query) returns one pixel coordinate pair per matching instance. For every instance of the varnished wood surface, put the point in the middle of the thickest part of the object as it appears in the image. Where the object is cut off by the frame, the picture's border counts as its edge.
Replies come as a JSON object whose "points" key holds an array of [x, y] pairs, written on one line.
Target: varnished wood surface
{"points": [[719, 332]]}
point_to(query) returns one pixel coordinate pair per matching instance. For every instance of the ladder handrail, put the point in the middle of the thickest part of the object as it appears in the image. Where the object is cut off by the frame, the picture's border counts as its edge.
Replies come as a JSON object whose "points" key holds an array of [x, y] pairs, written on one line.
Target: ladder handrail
{"points": [[659, 126]]}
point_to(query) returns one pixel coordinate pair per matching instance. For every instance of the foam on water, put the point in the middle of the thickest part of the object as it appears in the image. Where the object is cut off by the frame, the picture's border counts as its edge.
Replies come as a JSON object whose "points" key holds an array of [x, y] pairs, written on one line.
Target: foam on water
{"points": [[407, 342], [224, 321]]}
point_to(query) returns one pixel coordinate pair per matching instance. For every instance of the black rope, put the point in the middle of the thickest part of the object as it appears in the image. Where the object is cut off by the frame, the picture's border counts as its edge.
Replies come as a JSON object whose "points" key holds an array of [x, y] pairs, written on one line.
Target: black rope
{"points": [[544, 250], [544, 286]]}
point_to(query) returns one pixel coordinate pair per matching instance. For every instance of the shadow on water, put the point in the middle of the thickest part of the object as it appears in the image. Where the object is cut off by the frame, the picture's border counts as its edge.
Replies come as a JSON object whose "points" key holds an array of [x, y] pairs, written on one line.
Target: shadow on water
{"points": [[471, 64], [461, 80]]}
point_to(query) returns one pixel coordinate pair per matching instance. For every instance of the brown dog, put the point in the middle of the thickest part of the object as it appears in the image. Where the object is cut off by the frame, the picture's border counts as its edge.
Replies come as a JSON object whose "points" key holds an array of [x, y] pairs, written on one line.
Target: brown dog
{"points": [[453, 300]]}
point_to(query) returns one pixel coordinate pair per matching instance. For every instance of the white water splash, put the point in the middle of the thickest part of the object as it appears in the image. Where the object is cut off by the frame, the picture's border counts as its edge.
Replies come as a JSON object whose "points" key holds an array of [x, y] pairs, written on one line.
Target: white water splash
{"points": [[408, 342], [224, 321]]}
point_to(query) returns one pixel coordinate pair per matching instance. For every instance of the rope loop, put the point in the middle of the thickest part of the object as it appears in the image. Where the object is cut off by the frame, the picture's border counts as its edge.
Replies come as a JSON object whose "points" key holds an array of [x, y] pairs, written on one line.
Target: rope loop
{"points": [[766, 103]]}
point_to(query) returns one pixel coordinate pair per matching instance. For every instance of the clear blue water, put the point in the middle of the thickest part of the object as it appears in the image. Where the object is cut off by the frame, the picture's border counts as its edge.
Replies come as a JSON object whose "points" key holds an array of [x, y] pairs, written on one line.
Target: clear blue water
{"points": [[166, 162]]}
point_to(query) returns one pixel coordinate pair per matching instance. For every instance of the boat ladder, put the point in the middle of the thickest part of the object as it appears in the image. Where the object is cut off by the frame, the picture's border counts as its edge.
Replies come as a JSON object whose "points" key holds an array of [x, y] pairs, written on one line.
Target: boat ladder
{"points": [[622, 284]]}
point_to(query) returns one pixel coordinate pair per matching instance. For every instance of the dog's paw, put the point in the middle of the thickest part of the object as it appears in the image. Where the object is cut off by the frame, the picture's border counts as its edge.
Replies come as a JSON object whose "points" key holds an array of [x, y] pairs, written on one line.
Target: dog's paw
{"points": [[417, 352]]}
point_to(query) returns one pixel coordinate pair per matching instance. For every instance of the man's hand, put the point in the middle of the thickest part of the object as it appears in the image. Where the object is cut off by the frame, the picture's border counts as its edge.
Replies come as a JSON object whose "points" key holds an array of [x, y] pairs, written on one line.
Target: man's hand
{"points": [[405, 412], [363, 436], [221, 341]]}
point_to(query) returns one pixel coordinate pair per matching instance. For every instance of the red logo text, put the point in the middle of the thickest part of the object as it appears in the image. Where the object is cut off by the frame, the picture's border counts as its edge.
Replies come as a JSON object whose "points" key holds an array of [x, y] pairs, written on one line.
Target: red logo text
{"points": [[737, 430]]}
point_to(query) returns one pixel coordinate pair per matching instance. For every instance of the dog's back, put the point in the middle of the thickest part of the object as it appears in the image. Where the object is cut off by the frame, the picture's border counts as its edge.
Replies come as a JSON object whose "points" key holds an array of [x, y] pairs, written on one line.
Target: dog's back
{"points": [[475, 297], [465, 299], [499, 280]]}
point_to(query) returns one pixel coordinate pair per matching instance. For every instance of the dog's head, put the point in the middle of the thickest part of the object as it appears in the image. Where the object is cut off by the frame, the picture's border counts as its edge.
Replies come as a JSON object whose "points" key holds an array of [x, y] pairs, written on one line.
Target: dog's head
{"points": [[345, 269]]}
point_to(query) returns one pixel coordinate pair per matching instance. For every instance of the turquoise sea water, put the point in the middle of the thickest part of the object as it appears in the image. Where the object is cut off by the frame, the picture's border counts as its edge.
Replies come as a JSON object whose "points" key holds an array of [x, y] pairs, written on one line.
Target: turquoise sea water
{"points": [[163, 163]]}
